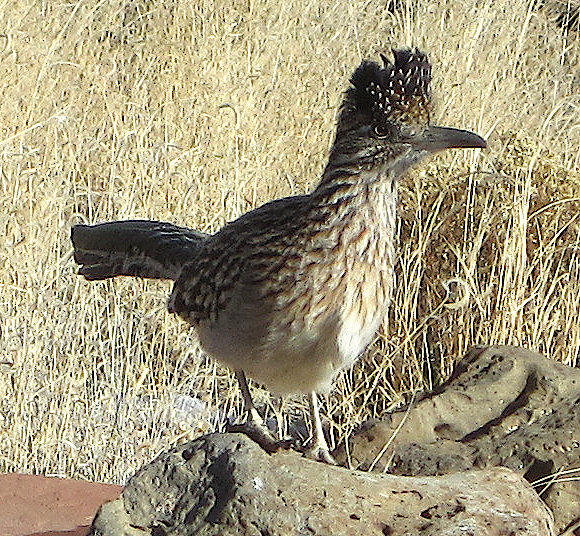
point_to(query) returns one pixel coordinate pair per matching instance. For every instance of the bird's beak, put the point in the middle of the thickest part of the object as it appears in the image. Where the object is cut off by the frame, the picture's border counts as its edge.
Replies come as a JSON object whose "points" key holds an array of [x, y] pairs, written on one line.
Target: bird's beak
{"points": [[436, 139]]}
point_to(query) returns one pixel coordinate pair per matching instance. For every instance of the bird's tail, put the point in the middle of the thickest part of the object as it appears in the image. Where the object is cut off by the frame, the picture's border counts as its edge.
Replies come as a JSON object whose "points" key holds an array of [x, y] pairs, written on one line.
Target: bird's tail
{"points": [[139, 248]]}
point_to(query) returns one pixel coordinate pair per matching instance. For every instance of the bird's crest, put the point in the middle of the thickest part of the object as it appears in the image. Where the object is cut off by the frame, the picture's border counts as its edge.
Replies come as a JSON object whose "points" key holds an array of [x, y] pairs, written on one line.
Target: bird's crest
{"points": [[397, 92]]}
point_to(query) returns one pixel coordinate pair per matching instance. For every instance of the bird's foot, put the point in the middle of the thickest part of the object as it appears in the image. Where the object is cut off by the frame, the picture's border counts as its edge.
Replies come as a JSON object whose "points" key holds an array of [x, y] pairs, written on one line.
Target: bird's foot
{"points": [[259, 433], [320, 453]]}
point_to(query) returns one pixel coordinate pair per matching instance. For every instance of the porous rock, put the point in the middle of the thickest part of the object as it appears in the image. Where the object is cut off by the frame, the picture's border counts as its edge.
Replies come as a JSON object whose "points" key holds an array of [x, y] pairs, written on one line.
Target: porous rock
{"points": [[503, 406], [224, 484]]}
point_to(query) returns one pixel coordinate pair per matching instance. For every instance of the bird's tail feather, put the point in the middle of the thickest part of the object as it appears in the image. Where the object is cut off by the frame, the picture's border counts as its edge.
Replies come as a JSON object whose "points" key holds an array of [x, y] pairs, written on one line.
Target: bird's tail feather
{"points": [[141, 248]]}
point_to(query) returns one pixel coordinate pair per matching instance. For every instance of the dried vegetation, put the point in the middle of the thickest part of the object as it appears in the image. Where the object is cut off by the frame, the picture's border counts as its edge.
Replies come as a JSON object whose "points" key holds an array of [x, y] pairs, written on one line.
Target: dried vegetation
{"points": [[195, 112]]}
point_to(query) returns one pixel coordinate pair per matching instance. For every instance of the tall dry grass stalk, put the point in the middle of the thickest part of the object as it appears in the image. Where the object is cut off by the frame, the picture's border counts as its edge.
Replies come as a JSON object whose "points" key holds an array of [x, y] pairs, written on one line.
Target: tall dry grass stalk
{"points": [[197, 112]]}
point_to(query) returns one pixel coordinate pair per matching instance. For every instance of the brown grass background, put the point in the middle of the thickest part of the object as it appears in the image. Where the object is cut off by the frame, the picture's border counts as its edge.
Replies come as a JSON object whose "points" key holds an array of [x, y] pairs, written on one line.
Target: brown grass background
{"points": [[195, 112]]}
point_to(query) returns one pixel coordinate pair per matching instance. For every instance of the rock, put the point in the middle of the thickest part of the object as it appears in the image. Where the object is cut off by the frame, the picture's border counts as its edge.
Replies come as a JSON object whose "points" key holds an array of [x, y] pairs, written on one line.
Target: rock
{"points": [[224, 484], [503, 406]]}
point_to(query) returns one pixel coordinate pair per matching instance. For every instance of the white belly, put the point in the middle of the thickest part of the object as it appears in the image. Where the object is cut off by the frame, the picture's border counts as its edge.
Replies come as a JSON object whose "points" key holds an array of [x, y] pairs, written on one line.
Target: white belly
{"points": [[298, 364], [298, 353]]}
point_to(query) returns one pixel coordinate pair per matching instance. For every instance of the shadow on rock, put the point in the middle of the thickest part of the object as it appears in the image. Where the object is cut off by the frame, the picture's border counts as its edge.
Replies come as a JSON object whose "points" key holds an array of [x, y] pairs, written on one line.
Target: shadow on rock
{"points": [[503, 406], [225, 484]]}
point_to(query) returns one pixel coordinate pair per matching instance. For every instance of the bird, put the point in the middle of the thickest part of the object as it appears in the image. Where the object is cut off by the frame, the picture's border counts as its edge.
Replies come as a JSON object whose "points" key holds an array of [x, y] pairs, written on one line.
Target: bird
{"points": [[292, 292]]}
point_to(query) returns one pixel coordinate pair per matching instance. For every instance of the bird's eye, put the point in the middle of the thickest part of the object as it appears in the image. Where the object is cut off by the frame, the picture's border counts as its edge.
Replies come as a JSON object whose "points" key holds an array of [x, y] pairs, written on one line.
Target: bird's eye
{"points": [[380, 131]]}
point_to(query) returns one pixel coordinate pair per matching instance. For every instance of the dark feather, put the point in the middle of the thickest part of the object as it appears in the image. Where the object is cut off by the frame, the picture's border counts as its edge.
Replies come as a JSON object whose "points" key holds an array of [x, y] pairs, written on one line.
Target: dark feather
{"points": [[395, 91], [140, 248]]}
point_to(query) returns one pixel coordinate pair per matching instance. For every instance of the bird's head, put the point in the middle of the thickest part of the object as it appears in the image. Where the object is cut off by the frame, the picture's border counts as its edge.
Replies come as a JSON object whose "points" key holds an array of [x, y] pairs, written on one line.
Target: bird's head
{"points": [[384, 121]]}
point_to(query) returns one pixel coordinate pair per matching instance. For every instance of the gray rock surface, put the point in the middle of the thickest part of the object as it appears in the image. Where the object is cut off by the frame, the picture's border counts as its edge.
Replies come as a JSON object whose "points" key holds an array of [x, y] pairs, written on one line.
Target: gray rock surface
{"points": [[503, 406], [224, 484]]}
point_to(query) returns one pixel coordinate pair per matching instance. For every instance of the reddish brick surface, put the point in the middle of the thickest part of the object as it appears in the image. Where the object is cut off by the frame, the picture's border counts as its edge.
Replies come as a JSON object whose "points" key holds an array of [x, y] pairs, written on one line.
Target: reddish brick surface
{"points": [[32, 505]]}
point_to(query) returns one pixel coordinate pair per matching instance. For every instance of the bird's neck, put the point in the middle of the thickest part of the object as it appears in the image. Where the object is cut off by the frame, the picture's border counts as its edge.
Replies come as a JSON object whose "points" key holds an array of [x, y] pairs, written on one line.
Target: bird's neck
{"points": [[357, 211]]}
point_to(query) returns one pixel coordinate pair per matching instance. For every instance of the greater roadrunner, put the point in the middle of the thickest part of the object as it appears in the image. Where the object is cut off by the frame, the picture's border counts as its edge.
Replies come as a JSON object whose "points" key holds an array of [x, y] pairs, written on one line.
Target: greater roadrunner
{"points": [[292, 292]]}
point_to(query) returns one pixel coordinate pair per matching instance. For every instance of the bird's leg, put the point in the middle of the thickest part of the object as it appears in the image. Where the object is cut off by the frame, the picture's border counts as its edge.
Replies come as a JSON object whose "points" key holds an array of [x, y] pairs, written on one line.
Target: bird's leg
{"points": [[318, 449], [278, 407], [254, 426], [252, 414]]}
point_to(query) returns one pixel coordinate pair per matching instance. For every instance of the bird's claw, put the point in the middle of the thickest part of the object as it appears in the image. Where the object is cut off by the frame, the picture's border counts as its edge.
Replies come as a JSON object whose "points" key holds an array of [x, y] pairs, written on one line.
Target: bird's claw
{"points": [[260, 434], [320, 454]]}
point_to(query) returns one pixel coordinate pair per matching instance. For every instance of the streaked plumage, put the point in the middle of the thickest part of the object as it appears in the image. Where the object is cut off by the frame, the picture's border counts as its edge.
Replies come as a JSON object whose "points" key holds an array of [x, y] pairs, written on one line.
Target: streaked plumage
{"points": [[293, 291]]}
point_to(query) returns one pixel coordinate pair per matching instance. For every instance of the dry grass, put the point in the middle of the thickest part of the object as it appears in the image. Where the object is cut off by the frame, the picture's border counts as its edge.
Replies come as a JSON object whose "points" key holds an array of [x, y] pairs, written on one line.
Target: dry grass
{"points": [[197, 112]]}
